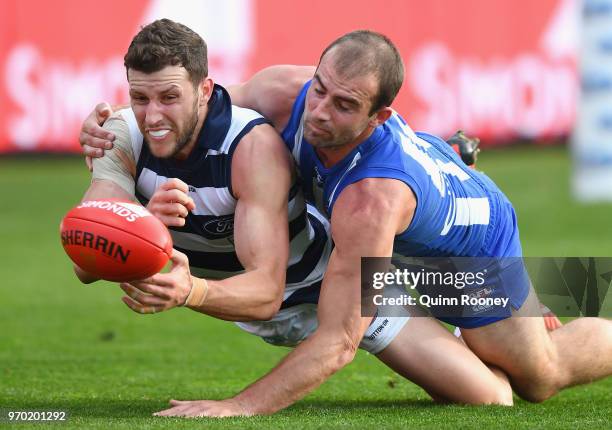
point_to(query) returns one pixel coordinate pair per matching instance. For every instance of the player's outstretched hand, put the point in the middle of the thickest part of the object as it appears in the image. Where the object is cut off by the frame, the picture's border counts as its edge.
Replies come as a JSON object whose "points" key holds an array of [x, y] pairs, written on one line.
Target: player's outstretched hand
{"points": [[162, 291], [203, 408], [171, 203], [93, 138]]}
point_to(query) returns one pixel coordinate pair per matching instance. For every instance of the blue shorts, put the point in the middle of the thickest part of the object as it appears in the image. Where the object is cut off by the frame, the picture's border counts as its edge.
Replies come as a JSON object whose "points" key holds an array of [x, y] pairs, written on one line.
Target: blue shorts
{"points": [[504, 284], [510, 279]]}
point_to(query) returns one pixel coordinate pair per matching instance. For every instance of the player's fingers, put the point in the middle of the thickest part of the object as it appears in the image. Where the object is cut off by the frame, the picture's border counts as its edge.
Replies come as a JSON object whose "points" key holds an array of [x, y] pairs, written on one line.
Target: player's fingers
{"points": [[172, 209], [92, 152], [103, 111], [133, 292], [178, 402], [139, 308], [178, 258], [137, 295], [175, 183], [139, 289], [89, 163], [170, 221], [90, 142], [92, 127], [171, 412], [178, 196]]}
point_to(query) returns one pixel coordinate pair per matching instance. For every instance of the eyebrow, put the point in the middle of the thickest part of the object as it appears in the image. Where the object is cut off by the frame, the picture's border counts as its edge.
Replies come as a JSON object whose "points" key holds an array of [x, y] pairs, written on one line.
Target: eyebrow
{"points": [[169, 88], [348, 100]]}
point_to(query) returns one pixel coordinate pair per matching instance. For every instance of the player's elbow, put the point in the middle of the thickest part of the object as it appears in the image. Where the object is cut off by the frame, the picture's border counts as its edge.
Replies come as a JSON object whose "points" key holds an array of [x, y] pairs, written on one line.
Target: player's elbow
{"points": [[270, 298], [347, 352], [343, 349], [267, 310], [276, 290]]}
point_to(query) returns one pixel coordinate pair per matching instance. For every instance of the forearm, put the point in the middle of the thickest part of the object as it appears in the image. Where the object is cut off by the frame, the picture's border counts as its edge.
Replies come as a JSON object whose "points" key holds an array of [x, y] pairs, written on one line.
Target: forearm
{"points": [[309, 365], [254, 295], [331, 347]]}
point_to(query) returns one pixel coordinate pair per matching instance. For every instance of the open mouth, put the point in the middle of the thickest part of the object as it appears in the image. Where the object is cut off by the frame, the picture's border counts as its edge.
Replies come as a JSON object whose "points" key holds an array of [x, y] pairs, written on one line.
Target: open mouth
{"points": [[158, 134]]}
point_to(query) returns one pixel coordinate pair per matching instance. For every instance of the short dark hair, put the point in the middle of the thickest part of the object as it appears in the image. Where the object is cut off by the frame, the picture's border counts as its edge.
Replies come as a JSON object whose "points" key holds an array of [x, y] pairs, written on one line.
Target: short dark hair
{"points": [[167, 43], [364, 51]]}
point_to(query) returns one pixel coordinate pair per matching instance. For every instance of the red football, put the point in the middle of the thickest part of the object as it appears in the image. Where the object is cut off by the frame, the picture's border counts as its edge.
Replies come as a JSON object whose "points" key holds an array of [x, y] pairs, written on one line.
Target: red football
{"points": [[115, 240]]}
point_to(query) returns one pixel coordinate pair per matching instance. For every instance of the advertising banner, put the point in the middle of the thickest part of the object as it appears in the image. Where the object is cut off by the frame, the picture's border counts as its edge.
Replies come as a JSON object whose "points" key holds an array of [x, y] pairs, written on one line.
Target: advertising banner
{"points": [[502, 70]]}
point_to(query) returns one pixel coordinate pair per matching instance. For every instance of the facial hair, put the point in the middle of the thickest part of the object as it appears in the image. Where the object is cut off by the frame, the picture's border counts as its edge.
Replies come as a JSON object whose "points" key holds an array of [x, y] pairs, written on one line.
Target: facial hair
{"points": [[186, 135], [188, 132]]}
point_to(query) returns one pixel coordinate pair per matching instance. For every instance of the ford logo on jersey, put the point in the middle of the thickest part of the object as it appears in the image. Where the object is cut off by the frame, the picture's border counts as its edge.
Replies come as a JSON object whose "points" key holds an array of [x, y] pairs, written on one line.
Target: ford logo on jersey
{"points": [[220, 226]]}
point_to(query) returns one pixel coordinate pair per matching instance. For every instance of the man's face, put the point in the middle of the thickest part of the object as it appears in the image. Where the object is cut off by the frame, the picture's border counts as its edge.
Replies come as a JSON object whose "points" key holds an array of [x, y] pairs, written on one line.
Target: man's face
{"points": [[167, 109], [337, 108]]}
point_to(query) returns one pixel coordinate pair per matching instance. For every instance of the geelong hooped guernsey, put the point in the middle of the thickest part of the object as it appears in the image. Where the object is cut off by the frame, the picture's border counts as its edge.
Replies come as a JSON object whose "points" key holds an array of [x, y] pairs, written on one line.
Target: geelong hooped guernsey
{"points": [[208, 234], [457, 211]]}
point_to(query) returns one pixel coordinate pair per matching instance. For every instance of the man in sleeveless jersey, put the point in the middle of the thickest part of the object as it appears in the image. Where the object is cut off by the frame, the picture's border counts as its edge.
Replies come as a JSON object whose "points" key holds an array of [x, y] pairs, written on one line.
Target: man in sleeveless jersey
{"points": [[381, 185], [218, 176]]}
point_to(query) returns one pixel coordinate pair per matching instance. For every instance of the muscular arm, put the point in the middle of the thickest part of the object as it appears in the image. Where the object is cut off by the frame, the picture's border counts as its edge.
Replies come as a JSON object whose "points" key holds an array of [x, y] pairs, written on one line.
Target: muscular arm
{"points": [[261, 177], [272, 91], [365, 220]]}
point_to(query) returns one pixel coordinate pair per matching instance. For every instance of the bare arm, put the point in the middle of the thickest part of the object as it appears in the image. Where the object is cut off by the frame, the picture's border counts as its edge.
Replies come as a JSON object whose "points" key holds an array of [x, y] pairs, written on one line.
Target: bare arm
{"points": [[365, 220], [272, 91], [261, 176]]}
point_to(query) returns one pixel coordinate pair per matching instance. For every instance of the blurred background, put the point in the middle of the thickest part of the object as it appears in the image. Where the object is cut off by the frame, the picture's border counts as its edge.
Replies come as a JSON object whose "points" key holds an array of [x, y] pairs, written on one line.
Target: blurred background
{"points": [[506, 70]]}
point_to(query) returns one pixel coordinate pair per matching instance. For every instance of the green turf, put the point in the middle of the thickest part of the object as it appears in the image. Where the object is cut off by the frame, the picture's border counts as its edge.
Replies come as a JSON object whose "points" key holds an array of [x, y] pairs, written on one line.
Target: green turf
{"points": [[65, 346]]}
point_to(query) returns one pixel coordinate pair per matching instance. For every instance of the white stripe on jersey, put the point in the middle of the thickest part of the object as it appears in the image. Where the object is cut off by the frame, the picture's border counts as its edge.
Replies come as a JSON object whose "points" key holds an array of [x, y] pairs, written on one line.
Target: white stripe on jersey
{"points": [[297, 144], [353, 164], [208, 200], [246, 116], [472, 210], [148, 182], [213, 201]]}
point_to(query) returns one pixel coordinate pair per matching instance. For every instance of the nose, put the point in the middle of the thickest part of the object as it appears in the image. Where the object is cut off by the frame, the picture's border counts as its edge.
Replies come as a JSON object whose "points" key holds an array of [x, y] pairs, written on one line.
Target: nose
{"points": [[153, 114], [320, 111]]}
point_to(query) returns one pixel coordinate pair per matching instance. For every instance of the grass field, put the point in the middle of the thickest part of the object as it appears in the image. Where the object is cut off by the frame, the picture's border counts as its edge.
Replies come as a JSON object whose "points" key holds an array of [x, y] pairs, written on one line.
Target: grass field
{"points": [[65, 346]]}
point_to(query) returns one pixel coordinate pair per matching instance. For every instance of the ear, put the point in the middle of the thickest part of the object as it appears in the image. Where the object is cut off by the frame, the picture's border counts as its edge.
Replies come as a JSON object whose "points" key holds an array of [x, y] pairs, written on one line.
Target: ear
{"points": [[381, 116], [206, 88]]}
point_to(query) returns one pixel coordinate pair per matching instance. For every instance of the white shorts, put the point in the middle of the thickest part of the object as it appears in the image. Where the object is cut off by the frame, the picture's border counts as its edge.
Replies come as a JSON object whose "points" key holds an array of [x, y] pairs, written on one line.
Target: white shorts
{"points": [[292, 325]]}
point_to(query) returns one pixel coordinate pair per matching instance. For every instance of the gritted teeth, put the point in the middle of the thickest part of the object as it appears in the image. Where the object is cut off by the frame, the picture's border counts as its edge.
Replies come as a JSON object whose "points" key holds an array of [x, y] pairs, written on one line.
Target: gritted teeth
{"points": [[158, 133]]}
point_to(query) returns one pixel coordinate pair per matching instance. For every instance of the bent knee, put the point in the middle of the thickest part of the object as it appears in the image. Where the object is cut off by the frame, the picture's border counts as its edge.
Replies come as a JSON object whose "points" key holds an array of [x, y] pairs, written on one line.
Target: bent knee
{"points": [[542, 383]]}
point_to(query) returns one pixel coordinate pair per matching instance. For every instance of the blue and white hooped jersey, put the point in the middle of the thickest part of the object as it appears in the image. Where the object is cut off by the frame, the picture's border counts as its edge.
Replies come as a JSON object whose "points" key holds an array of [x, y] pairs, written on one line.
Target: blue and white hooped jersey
{"points": [[208, 235], [458, 212]]}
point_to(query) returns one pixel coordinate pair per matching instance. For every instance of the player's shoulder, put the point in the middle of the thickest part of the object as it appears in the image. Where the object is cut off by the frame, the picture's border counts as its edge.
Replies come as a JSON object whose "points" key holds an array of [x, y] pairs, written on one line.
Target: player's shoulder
{"points": [[372, 203], [272, 91], [261, 142], [242, 116], [286, 80]]}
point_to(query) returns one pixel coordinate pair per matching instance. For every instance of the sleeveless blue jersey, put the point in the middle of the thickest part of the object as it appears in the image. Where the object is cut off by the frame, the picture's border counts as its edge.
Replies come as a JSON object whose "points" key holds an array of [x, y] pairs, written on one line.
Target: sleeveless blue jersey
{"points": [[459, 211], [208, 234]]}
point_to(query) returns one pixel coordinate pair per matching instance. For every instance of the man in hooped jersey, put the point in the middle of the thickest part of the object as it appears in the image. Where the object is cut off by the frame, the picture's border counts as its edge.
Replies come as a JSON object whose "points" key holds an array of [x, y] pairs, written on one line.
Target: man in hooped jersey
{"points": [[218, 176]]}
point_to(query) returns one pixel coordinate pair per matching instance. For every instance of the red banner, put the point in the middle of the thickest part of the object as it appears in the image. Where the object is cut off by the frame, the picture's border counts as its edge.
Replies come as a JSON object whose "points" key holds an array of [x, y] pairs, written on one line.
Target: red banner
{"points": [[501, 69]]}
